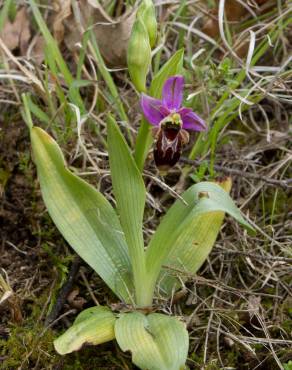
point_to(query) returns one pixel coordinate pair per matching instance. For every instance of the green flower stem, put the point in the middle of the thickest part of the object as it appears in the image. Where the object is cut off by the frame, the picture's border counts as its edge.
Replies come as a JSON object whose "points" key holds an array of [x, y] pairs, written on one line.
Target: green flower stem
{"points": [[143, 143]]}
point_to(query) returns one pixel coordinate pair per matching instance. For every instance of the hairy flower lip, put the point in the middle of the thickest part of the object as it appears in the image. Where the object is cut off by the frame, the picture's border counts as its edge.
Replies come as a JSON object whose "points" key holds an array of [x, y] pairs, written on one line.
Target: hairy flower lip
{"points": [[155, 110]]}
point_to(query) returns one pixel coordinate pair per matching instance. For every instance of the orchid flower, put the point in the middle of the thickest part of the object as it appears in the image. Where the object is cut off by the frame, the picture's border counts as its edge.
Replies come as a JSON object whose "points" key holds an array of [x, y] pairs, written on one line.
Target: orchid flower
{"points": [[170, 106]]}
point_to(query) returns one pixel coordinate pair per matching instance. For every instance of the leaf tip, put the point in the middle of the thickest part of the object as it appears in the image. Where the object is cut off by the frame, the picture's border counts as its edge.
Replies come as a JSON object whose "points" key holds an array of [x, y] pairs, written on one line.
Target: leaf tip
{"points": [[41, 134], [59, 348]]}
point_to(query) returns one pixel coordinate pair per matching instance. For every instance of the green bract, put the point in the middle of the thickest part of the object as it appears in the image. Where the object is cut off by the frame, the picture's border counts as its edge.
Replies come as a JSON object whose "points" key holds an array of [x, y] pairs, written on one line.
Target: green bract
{"points": [[147, 13], [139, 55], [143, 38]]}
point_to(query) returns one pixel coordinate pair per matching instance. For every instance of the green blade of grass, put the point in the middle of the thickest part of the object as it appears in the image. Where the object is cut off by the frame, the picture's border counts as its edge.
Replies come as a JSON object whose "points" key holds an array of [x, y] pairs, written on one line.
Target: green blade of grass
{"points": [[202, 146], [57, 56], [116, 100]]}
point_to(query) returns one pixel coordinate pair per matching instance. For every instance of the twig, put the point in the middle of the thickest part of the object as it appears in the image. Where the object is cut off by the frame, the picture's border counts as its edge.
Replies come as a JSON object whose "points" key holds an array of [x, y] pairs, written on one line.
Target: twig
{"points": [[256, 256], [64, 291], [219, 285], [15, 247], [89, 288], [285, 184]]}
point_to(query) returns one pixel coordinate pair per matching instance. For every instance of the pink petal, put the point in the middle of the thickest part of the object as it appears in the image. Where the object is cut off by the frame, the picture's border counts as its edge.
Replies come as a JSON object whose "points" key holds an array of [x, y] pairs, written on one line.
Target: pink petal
{"points": [[153, 109], [191, 121], [172, 92]]}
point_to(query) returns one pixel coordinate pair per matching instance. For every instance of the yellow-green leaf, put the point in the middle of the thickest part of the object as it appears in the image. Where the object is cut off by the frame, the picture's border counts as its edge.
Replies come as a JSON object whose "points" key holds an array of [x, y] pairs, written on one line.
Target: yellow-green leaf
{"points": [[130, 195], [190, 254], [156, 341], [178, 230], [147, 13], [93, 326], [83, 216]]}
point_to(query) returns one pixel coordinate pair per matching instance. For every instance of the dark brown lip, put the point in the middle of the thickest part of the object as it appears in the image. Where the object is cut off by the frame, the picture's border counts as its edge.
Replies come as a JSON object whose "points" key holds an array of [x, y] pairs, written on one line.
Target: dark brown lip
{"points": [[168, 147]]}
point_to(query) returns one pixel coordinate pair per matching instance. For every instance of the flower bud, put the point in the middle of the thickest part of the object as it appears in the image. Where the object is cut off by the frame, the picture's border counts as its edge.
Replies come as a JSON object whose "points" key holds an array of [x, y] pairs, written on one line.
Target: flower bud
{"points": [[139, 55], [147, 13]]}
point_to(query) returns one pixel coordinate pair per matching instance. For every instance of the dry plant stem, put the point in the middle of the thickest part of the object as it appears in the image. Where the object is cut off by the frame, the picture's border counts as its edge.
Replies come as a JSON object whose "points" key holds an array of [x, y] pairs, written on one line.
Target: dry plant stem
{"points": [[8, 295], [89, 288], [285, 184], [31, 77]]}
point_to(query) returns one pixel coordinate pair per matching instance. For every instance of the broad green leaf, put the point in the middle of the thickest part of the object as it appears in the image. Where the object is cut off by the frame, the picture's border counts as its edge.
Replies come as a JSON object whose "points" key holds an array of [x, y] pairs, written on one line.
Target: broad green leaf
{"points": [[156, 341], [144, 139], [83, 216], [190, 253], [178, 229], [94, 326], [130, 194]]}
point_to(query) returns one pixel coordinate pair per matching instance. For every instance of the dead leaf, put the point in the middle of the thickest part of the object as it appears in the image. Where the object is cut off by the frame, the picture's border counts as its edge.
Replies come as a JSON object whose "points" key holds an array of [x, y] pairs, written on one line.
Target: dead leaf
{"points": [[10, 299], [210, 26], [15, 309], [75, 300], [17, 34], [234, 11], [37, 49], [112, 35], [253, 305], [63, 11], [4, 177]]}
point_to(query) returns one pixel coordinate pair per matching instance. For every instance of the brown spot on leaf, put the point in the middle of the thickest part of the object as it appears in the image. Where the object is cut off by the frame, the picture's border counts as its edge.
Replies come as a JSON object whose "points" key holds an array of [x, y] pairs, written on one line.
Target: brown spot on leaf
{"points": [[203, 194]]}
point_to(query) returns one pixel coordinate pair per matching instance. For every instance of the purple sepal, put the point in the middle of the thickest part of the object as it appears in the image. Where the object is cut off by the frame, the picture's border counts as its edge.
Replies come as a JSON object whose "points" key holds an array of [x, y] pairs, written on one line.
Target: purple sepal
{"points": [[172, 92], [191, 121], [153, 109], [156, 110]]}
